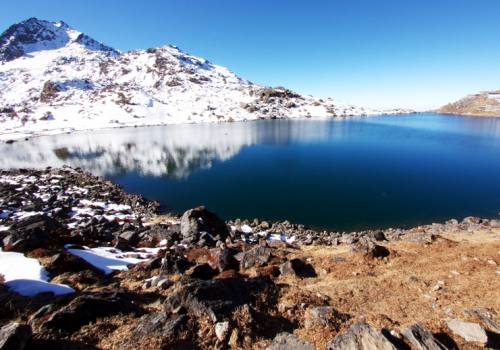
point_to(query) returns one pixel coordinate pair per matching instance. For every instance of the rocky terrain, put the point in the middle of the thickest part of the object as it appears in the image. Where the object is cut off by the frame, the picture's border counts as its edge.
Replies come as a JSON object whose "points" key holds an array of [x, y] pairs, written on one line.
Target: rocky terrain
{"points": [[55, 79], [84, 265], [483, 104]]}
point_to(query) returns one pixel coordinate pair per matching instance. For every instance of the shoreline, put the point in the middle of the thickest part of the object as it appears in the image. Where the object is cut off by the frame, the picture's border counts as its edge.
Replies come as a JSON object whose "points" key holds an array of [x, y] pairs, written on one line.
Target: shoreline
{"points": [[20, 136], [114, 274], [150, 212]]}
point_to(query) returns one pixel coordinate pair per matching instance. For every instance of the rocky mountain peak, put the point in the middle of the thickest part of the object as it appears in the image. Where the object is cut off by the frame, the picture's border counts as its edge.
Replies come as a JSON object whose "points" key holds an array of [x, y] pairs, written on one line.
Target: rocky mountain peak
{"points": [[34, 35]]}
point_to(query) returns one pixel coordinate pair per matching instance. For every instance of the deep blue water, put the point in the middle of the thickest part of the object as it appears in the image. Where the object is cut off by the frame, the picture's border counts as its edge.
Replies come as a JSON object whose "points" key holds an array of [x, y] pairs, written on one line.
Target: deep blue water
{"points": [[337, 174]]}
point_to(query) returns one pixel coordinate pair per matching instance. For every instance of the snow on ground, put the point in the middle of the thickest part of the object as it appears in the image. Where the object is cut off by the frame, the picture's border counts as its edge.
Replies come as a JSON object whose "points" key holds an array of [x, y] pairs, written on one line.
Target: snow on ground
{"points": [[26, 276], [80, 212], [109, 259]]}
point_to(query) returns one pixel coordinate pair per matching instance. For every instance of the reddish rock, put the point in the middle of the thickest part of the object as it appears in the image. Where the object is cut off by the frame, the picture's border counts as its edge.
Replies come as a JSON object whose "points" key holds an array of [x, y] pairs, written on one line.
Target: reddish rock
{"points": [[270, 270], [228, 274]]}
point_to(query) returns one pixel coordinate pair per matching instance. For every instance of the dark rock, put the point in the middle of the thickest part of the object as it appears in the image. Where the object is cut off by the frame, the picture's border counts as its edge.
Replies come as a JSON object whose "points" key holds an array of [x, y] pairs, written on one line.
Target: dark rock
{"points": [[30, 233], [202, 271], [158, 324], [87, 308], [215, 298], [223, 259], [228, 274], [361, 336], [421, 339], [297, 268], [14, 336], [369, 249], [258, 256], [287, 341], [66, 262], [269, 270], [127, 240], [196, 221], [174, 263], [377, 236], [158, 233]]}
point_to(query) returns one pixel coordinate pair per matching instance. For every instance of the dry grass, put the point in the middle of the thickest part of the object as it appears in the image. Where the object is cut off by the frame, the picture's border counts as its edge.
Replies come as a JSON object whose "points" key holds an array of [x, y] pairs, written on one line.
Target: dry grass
{"points": [[402, 289], [393, 292]]}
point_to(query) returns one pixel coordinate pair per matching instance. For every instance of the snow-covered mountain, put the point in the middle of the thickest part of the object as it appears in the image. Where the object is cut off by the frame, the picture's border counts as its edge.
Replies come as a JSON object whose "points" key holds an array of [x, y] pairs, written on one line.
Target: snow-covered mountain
{"points": [[55, 79]]}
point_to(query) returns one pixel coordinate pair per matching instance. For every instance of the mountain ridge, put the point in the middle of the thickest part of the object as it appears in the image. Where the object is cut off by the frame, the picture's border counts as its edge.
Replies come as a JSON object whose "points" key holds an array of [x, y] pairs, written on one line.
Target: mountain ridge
{"points": [[56, 79], [482, 104]]}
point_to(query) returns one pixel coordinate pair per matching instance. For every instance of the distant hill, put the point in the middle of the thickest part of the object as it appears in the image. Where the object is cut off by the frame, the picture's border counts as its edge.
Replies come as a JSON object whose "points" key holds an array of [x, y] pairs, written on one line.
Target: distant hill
{"points": [[483, 104]]}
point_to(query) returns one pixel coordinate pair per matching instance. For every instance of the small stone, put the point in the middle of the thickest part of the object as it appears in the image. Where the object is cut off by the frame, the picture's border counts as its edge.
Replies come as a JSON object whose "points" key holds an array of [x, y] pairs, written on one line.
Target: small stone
{"points": [[361, 336], [164, 284], [438, 286], [221, 330], [471, 332], [287, 341], [146, 284], [319, 316]]}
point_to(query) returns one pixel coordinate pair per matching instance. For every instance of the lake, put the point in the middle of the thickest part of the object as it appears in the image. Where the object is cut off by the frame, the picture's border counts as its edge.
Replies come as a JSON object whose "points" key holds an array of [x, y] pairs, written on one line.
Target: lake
{"points": [[339, 174]]}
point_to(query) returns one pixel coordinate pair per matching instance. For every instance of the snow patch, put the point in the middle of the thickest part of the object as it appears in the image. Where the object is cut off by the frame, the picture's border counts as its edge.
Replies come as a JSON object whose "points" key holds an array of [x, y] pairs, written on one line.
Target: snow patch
{"points": [[26, 276], [109, 259]]}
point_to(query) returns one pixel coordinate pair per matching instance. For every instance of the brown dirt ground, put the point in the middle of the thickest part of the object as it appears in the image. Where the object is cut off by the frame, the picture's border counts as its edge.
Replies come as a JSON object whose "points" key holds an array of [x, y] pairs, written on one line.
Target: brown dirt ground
{"points": [[393, 292], [397, 291]]}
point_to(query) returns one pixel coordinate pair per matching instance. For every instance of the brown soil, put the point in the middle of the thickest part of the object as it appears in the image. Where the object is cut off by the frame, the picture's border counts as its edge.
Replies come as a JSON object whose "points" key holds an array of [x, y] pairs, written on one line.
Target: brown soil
{"points": [[417, 282], [400, 290]]}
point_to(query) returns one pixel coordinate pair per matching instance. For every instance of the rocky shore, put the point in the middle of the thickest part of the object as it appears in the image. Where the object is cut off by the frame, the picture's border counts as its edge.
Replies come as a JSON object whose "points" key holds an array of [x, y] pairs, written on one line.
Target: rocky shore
{"points": [[84, 265]]}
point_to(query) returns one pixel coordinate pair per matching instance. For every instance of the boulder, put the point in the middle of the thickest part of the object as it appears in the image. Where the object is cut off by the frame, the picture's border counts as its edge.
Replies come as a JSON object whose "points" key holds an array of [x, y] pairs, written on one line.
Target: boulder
{"points": [[202, 271], [258, 256], [174, 263], [361, 336], [287, 341], [66, 262], [30, 233], [158, 324], [297, 267], [471, 332], [215, 298], [369, 249], [87, 308], [197, 221], [422, 339], [158, 233], [14, 336], [126, 240], [222, 259], [487, 318]]}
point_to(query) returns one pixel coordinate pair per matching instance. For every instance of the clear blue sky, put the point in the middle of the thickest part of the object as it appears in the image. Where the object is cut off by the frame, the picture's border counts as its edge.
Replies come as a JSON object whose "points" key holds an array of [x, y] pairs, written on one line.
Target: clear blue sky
{"points": [[381, 53]]}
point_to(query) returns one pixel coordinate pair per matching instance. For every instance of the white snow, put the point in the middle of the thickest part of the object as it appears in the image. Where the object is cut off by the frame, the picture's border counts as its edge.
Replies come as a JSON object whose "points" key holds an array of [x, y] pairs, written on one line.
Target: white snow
{"points": [[246, 229], [281, 237], [109, 259], [26, 276], [101, 89]]}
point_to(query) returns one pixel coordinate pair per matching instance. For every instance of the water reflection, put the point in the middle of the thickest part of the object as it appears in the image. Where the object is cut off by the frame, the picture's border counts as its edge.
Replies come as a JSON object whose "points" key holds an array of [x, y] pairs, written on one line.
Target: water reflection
{"points": [[179, 150], [156, 151], [345, 174]]}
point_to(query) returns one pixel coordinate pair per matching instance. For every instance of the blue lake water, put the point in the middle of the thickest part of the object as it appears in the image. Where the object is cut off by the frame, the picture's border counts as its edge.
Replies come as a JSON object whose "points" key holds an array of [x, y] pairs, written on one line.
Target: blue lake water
{"points": [[343, 174]]}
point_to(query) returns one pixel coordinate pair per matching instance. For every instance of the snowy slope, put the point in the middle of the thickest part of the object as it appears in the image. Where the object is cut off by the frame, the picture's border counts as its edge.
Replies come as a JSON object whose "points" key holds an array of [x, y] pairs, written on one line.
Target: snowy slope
{"points": [[55, 79]]}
